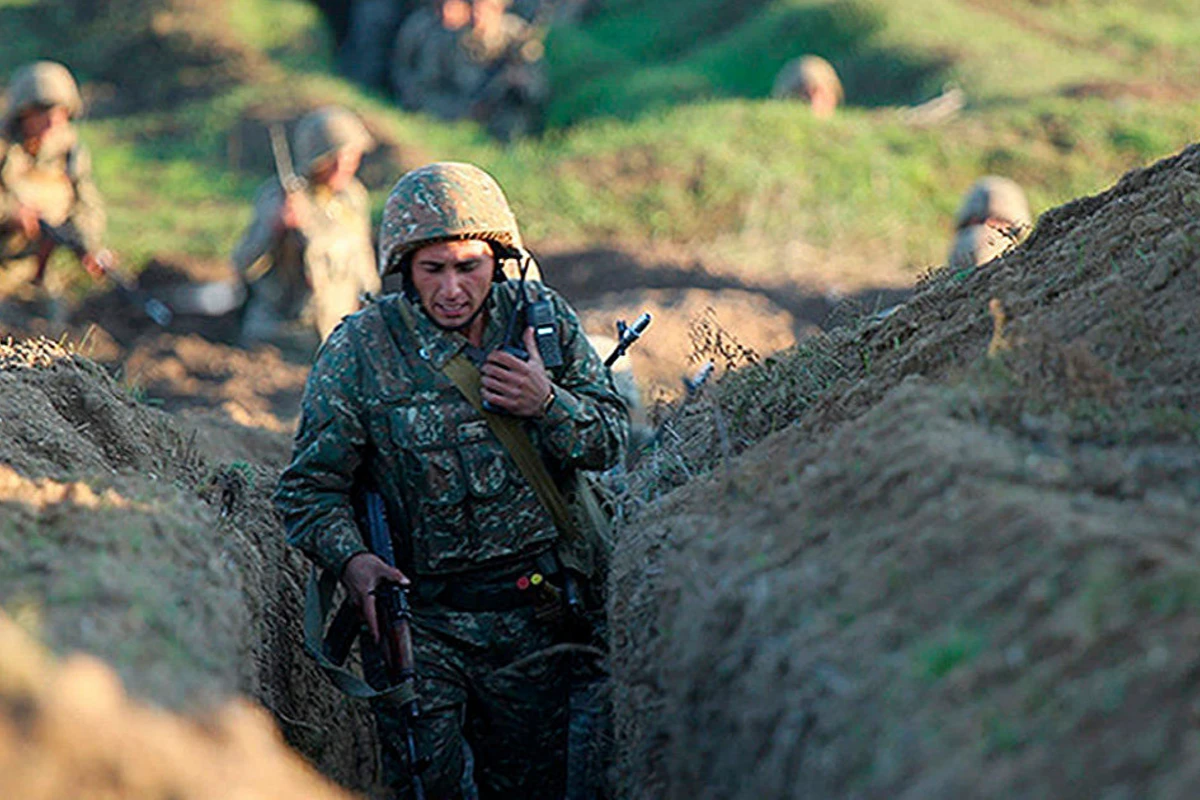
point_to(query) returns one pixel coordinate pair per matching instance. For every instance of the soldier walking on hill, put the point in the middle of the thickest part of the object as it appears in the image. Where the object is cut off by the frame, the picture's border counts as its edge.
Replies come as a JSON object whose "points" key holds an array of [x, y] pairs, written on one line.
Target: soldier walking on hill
{"points": [[813, 80], [489, 564], [307, 252], [47, 196], [994, 217]]}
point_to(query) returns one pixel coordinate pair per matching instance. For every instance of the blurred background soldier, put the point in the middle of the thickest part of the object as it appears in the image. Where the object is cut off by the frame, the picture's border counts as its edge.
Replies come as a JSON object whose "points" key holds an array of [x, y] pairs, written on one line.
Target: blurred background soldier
{"points": [[308, 254], [994, 217], [423, 71], [46, 175], [813, 80], [511, 88], [477, 61]]}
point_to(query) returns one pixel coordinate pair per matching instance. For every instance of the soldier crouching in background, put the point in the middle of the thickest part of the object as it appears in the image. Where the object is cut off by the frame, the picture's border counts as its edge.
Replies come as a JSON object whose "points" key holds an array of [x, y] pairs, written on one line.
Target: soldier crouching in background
{"points": [[47, 196], [490, 563], [812, 80], [307, 254], [994, 217]]}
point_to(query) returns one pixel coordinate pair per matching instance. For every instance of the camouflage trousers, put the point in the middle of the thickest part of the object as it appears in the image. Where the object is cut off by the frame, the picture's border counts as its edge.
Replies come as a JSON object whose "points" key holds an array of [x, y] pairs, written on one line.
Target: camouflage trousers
{"points": [[493, 715]]}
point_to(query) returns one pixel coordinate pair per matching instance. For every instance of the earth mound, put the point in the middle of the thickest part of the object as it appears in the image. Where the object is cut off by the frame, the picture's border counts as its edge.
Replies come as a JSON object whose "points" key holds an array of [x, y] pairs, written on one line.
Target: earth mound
{"points": [[50, 714], [154, 53], [124, 534], [964, 564]]}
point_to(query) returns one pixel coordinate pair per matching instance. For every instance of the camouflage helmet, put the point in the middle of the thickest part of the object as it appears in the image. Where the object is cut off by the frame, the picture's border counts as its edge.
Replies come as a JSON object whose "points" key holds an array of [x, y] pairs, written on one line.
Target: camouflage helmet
{"points": [[325, 131], [443, 201], [994, 198], [42, 83], [803, 74]]}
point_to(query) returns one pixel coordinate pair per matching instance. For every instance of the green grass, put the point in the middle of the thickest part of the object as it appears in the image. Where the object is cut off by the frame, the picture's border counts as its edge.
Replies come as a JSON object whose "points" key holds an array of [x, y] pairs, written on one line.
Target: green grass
{"points": [[670, 140]]}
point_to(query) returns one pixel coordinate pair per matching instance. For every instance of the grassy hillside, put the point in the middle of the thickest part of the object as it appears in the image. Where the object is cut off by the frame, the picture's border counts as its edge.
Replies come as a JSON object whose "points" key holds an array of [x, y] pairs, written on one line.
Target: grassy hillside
{"points": [[1063, 97]]}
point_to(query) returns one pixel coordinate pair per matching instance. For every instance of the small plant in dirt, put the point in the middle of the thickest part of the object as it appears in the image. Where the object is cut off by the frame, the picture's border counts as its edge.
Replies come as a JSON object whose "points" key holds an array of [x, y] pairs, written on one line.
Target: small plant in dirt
{"points": [[940, 658]]}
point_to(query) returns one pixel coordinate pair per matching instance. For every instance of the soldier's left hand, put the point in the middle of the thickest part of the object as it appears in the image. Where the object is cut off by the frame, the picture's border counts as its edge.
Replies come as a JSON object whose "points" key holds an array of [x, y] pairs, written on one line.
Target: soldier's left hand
{"points": [[518, 387]]}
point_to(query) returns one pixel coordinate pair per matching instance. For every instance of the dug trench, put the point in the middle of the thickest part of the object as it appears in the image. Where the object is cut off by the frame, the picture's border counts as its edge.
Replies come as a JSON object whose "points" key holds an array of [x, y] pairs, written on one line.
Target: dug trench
{"points": [[883, 562]]}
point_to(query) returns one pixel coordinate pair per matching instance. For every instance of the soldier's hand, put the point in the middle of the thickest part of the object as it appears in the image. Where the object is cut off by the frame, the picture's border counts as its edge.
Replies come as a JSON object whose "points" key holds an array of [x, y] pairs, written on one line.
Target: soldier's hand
{"points": [[26, 219], [97, 264], [363, 573], [518, 387], [293, 212]]}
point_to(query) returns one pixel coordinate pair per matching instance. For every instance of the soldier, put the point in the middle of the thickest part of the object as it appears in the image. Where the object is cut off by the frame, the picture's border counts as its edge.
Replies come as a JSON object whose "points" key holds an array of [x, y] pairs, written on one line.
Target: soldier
{"points": [[486, 67], [45, 173], [308, 251], [813, 80], [424, 76], [994, 217], [381, 408], [510, 89]]}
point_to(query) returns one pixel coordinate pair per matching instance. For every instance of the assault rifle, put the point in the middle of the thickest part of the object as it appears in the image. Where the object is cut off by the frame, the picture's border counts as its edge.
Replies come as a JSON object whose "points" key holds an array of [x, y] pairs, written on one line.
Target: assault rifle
{"points": [[395, 633], [156, 310]]}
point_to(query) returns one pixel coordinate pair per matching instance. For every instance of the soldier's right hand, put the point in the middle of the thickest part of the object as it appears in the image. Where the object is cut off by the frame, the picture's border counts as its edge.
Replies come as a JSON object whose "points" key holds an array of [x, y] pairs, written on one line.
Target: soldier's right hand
{"points": [[363, 573], [293, 212], [26, 219]]}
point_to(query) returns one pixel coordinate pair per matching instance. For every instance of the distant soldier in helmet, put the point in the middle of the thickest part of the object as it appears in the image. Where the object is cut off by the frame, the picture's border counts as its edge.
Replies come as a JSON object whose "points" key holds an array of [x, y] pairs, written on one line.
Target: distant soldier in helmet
{"points": [[307, 253], [487, 563], [813, 80], [46, 173], [993, 218]]}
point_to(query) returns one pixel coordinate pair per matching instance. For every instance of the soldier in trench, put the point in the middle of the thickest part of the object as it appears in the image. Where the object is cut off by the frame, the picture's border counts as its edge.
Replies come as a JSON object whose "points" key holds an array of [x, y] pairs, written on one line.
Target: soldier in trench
{"points": [[812, 80], [46, 176], [488, 564], [307, 253], [993, 218]]}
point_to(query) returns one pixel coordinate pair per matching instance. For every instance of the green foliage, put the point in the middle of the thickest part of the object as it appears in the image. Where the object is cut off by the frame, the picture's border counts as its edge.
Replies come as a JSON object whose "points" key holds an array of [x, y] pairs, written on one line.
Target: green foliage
{"points": [[938, 659], [739, 176]]}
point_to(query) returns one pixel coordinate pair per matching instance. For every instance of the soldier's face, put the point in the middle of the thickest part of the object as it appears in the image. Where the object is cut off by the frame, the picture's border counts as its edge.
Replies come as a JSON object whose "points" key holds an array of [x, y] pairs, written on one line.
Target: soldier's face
{"points": [[453, 280], [338, 170], [486, 13], [38, 122], [456, 14]]}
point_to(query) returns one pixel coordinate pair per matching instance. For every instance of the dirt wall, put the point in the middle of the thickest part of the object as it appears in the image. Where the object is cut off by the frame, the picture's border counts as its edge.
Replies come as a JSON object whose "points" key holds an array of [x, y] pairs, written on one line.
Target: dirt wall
{"points": [[966, 564], [124, 535]]}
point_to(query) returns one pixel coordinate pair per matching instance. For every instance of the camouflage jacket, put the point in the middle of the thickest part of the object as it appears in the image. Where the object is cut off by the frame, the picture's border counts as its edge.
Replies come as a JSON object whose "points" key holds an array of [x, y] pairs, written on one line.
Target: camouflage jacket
{"points": [[58, 183], [377, 399], [331, 253]]}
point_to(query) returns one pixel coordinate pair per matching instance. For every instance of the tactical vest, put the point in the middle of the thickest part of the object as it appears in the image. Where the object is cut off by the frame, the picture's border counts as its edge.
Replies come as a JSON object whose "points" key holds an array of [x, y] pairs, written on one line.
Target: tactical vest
{"points": [[467, 504]]}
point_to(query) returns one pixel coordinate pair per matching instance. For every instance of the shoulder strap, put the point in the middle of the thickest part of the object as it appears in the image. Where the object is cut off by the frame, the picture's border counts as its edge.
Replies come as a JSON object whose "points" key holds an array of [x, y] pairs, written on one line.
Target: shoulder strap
{"points": [[508, 430]]}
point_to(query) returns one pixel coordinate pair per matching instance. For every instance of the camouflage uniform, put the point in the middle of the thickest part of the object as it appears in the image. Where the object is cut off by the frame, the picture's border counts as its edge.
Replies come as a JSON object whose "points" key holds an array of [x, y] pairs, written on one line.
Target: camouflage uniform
{"points": [[57, 182], [378, 405], [319, 270], [993, 218], [498, 78]]}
